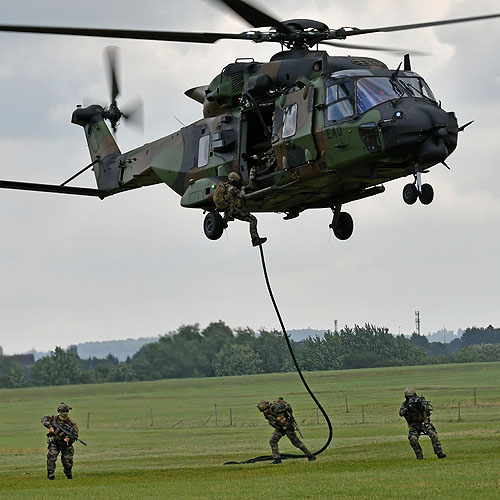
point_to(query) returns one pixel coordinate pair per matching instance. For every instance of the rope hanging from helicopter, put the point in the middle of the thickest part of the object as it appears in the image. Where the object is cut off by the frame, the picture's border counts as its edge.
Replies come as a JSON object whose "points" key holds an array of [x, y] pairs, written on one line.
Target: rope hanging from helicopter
{"points": [[263, 458]]}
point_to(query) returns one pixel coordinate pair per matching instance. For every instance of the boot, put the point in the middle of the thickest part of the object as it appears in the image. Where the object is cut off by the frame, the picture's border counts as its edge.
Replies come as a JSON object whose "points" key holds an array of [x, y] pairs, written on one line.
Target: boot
{"points": [[277, 460], [420, 457], [68, 473], [51, 476], [258, 241], [441, 455], [311, 457]]}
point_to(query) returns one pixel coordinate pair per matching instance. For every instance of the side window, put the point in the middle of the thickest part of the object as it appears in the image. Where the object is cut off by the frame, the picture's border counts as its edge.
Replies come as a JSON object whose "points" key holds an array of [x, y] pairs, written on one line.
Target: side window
{"points": [[289, 121], [203, 150], [338, 102]]}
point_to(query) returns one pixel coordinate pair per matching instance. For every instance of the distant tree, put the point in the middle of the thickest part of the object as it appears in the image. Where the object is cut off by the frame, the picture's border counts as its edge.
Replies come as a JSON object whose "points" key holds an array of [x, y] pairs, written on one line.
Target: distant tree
{"points": [[11, 375], [215, 336], [60, 368], [359, 347], [363, 359], [245, 336], [122, 372], [419, 340], [477, 335], [316, 353], [272, 350], [16, 377], [234, 359], [175, 355]]}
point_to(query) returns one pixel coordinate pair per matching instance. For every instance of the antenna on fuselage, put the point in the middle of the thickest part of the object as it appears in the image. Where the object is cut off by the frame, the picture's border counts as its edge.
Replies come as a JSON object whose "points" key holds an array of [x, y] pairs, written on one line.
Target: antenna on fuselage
{"points": [[407, 63]]}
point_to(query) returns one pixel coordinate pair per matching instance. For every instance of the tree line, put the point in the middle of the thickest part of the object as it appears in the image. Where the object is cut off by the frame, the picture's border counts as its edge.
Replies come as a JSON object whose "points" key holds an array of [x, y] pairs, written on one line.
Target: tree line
{"points": [[219, 351]]}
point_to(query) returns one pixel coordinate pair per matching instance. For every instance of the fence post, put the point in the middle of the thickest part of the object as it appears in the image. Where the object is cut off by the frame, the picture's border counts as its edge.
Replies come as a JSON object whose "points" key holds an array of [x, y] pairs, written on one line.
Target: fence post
{"points": [[475, 400], [151, 416], [215, 413], [346, 405], [317, 416], [88, 420], [177, 423], [362, 414], [231, 417], [459, 411]]}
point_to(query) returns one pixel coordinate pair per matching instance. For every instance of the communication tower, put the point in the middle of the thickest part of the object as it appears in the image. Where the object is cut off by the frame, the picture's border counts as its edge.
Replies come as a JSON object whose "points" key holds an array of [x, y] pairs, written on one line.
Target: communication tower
{"points": [[417, 322]]}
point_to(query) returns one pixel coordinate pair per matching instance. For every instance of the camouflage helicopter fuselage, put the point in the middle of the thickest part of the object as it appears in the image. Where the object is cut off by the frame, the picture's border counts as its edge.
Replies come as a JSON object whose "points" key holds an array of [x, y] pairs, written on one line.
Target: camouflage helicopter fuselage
{"points": [[338, 127]]}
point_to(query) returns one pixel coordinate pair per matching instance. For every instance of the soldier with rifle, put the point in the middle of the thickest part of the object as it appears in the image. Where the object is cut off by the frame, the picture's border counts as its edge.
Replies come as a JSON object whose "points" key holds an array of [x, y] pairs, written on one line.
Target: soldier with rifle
{"points": [[417, 410], [279, 414], [63, 432]]}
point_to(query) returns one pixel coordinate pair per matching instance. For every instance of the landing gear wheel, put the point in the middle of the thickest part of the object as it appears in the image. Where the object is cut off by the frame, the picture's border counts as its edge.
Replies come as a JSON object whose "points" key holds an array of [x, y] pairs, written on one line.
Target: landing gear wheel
{"points": [[426, 195], [410, 194], [344, 227], [213, 225]]}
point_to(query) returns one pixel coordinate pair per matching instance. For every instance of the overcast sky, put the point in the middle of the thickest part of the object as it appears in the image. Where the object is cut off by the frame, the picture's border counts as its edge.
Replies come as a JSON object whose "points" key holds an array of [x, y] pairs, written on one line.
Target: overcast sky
{"points": [[76, 269]]}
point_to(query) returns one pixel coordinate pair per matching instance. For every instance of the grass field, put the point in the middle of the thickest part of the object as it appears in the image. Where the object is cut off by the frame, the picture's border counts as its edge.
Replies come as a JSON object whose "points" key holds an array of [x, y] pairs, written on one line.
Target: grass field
{"points": [[135, 450]]}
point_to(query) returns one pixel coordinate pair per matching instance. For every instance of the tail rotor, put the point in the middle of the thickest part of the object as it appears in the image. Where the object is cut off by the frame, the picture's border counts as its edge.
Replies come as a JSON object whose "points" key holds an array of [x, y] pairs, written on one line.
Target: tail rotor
{"points": [[134, 113]]}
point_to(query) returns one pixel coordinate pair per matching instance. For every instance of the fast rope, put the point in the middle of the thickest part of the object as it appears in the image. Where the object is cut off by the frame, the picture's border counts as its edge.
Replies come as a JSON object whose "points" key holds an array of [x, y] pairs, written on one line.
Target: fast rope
{"points": [[263, 458]]}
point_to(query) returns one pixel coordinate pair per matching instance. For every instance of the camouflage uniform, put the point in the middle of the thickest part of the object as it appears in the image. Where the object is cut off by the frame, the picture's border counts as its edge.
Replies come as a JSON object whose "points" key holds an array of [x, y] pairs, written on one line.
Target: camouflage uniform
{"points": [[416, 410], [279, 415], [265, 163], [57, 444], [230, 197]]}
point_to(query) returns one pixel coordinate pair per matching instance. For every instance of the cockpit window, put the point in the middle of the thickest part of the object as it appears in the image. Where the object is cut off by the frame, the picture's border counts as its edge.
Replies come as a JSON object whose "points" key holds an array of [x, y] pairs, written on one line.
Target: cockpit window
{"points": [[339, 101], [374, 90], [417, 87]]}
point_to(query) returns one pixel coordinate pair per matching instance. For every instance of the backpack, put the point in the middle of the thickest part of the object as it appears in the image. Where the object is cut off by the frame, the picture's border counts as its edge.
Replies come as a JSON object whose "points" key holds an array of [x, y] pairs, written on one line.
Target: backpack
{"points": [[221, 196]]}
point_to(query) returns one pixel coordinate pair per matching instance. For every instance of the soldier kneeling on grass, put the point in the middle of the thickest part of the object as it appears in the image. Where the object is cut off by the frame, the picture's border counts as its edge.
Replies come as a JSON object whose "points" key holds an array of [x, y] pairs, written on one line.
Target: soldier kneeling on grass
{"points": [[417, 411], [60, 441], [280, 416]]}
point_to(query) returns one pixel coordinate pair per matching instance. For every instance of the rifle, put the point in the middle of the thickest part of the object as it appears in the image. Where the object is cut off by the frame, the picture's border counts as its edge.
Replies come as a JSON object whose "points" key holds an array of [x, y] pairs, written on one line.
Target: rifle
{"points": [[295, 424], [70, 434]]}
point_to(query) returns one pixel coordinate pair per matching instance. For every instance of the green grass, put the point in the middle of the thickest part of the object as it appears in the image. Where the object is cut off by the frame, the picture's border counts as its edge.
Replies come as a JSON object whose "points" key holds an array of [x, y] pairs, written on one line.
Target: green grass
{"points": [[127, 458]]}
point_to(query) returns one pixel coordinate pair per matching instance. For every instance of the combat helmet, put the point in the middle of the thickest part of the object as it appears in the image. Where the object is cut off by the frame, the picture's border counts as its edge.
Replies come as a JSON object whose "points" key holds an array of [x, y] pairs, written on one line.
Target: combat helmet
{"points": [[63, 407], [263, 405], [234, 177], [409, 392]]}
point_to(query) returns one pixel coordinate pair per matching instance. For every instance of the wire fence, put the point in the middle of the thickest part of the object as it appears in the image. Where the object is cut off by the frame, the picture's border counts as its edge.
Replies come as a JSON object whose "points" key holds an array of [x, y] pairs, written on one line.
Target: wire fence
{"points": [[459, 406]]}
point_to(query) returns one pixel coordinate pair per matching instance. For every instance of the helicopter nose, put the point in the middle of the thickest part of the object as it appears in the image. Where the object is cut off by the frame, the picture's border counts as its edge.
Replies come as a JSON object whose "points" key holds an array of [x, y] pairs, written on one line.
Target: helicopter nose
{"points": [[433, 150], [421, 129]]}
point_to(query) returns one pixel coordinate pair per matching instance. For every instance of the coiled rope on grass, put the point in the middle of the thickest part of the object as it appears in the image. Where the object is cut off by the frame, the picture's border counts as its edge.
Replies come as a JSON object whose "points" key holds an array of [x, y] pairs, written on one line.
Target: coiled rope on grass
{"points": [[263, 458]]}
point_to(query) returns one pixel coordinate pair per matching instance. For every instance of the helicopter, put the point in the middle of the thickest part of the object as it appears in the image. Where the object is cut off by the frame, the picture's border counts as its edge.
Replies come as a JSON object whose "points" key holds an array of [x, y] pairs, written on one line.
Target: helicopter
{"points": [[304, 130]]}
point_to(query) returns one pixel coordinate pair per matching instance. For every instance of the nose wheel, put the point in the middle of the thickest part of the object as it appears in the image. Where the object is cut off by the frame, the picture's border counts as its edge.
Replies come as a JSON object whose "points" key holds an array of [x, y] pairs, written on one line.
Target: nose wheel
{"points": [[342, 224], [416, 190]]}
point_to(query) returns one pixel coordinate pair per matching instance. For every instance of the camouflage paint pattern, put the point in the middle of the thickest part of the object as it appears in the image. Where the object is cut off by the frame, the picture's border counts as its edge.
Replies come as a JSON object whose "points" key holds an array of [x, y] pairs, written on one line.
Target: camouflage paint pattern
{"points": [[323, 163]]}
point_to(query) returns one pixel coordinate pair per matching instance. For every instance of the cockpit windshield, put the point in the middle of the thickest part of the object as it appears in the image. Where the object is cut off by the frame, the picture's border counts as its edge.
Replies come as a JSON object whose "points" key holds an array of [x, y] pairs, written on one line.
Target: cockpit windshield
{"points": [[350, 97], [371, 91], [417, 87]]}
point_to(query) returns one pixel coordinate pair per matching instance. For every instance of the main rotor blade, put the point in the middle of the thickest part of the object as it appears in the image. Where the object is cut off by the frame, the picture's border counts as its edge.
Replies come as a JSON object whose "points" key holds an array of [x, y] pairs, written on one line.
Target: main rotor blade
{"points": [[112, 54], [255, 17], [166, 36], [402, 27], [372, 47], [52, 188]]}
